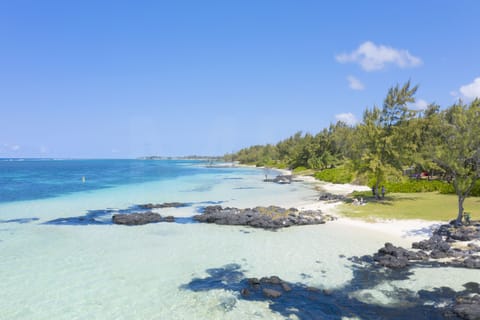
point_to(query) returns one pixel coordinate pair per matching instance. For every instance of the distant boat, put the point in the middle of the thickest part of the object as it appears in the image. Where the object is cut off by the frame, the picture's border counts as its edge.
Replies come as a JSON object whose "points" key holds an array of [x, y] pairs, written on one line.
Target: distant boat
{"points": [[83, 179]]}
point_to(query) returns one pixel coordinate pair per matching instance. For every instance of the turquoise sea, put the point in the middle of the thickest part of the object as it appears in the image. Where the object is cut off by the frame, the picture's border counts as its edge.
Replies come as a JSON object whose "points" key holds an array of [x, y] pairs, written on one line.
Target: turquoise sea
{"points": [[61, 258]]}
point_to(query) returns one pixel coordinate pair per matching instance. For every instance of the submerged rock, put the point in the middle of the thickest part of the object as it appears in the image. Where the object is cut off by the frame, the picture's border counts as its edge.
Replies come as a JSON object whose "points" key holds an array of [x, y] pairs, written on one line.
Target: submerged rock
{"points": [[467, 307], [270, 287], [271, 217], [271, 293]]}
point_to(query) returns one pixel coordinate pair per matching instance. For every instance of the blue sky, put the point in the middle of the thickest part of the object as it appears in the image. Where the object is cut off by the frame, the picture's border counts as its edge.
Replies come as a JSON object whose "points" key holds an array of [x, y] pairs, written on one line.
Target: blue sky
{"points": [[130, 78]]}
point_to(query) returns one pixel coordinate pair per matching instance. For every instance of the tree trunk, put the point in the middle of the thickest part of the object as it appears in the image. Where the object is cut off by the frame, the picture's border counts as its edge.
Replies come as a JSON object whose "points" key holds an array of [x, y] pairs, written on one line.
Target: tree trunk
{"points": [[461, 199], [377, 193]]}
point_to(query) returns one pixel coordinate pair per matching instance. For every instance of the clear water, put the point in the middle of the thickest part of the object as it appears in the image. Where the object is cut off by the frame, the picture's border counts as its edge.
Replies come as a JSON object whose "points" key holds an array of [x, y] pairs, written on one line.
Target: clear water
{"points": [[148, 272], [41, 178]]}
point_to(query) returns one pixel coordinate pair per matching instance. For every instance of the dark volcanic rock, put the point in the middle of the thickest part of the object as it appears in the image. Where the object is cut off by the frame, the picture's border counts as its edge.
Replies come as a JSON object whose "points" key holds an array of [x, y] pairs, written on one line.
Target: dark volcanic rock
{"points": [[465, 233], [472, 262], [396, 257], [271, 280], [473, 247], [271, 293], [271, 217], [460, 233], [326, 196], [438, 247], [436, 242], [392, 261], [136, 218], [468, 307], [162, 205], [169, 219]]}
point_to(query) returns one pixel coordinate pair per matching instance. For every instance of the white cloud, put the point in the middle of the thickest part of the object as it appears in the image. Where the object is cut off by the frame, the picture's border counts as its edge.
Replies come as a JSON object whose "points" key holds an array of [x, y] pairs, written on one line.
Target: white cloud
{"points": [[472, 90], [372, 57], [15, 147], [348, 118], [354, 83], [421, 104]]}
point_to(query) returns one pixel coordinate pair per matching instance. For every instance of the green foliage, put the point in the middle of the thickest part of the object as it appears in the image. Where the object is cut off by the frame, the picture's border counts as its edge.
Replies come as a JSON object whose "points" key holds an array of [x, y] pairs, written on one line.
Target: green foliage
{"points": [[326, 149], [271, 164], [456, 147], [475, 192], [299, 169], [389, 139], [382, 147], [414, 186], [335, 175]]}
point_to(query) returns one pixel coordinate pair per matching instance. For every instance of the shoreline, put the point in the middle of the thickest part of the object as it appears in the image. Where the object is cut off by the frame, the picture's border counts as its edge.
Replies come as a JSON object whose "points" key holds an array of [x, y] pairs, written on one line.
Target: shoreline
{"points": [[411, 230]]}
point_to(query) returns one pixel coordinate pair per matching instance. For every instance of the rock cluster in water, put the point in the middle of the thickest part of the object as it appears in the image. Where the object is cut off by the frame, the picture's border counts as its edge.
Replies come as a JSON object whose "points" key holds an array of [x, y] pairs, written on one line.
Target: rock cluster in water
{"points": [[440, 246], [135, 219], [164, 205], [271, 217], [270, 287], [140, 218], [467, 307]]}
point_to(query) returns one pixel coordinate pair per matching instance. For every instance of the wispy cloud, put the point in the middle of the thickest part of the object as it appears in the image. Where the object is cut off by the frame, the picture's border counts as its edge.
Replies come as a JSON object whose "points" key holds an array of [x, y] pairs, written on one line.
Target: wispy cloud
{"points": [[348, 118], [472, 90], [420, 104], [354, 83], [372, 57]]}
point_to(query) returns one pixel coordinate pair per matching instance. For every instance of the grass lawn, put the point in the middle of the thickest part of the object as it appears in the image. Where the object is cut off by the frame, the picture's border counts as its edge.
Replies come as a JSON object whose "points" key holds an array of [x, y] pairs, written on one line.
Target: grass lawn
{"points": [[426, 206]]}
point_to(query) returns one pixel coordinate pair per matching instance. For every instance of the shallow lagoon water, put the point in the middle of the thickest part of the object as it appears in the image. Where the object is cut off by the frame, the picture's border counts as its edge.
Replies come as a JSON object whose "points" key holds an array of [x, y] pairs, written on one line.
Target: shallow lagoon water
{"points": [[143, 272]]}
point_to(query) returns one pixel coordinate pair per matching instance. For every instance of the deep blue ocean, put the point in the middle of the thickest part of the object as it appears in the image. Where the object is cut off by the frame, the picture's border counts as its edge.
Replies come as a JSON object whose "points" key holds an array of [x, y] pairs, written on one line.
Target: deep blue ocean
{"points": [[30, 179]]}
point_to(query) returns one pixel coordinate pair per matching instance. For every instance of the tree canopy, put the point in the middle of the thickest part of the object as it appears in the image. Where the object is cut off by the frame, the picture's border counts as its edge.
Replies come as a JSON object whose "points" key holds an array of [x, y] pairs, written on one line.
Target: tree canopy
{"points": [[388, 142]]}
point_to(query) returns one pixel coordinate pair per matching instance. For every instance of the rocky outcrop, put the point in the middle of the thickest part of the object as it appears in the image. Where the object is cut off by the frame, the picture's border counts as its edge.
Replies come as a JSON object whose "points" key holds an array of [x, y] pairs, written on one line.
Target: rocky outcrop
{"points": [[436, 242], [326, 196], [460, 233], [271, 217], [467, 307], [271, 287], [135, 219], [150, 206], [440, 246], [472, 262], [281, 179], [397, 257]]}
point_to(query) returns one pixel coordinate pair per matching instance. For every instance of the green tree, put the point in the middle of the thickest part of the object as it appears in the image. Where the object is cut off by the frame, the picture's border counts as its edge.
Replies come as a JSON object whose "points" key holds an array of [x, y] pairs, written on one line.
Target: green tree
{"points": [[382, 147], [456, 147]]}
